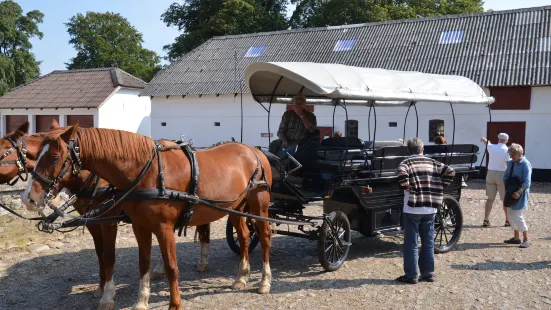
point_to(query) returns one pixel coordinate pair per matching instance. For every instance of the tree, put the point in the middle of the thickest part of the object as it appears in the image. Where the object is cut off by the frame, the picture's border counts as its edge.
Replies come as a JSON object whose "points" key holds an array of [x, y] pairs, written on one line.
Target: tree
{"points": [[108, 40], [320, 13], [200, 20], [17, 64]]}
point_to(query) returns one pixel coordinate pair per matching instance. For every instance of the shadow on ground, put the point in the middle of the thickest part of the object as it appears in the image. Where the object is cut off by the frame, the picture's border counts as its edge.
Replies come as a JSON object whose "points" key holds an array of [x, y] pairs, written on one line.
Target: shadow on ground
{"points": [[68, 279]]}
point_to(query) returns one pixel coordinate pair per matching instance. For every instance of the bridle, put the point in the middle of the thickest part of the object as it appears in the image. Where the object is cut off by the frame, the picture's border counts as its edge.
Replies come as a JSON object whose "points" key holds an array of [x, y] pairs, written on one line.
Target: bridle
{"points": [[72, 163], [20, 147]]}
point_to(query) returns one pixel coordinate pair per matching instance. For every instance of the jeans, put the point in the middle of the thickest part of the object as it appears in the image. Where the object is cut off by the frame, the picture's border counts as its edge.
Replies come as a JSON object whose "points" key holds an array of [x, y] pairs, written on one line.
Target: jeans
{"points": [[416, 225]]}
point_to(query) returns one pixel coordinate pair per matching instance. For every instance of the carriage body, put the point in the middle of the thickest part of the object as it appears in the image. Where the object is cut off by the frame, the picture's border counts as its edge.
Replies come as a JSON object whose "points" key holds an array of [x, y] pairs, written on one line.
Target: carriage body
{"points": [[356, 180]]}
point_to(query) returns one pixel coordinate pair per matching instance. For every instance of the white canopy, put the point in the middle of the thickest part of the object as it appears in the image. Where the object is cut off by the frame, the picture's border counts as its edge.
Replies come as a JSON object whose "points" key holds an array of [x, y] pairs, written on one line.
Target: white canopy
{"points": [[335, 81]]}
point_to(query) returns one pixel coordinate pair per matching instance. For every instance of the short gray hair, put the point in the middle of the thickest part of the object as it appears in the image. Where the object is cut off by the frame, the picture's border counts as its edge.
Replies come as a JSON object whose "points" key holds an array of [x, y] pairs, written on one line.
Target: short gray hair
{"points": [[415, 146], [516, 149]]}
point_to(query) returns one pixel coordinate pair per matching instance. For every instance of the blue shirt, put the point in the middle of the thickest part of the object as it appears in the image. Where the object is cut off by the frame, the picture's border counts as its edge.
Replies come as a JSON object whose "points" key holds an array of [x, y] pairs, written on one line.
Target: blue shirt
{"points": [[523, 170]]}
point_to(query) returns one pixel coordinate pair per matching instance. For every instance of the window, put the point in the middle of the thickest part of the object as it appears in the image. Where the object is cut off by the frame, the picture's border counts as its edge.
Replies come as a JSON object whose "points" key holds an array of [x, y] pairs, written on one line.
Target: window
{"points": [[344, 45], [255, 51], [351, 128], [436, 128], [451, 36], [217, 124], [511, 98], [392, 124], [163, 124], [545, 44]]}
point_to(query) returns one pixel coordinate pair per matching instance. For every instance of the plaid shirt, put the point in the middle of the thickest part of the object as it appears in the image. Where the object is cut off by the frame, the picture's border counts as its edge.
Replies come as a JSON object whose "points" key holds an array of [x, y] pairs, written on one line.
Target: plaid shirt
{"points": [[426, 179], [292, 128]]}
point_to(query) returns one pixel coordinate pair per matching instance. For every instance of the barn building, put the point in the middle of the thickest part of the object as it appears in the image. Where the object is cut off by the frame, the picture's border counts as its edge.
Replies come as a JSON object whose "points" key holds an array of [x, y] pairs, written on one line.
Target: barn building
{"points": [[507, 52], [104, 97]]}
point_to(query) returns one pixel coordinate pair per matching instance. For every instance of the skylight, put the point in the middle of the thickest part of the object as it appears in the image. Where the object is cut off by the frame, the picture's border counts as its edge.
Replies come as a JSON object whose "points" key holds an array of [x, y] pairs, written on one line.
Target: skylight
{"points": [[545, 44], [255, 51], [344, 45], [451, 36]]}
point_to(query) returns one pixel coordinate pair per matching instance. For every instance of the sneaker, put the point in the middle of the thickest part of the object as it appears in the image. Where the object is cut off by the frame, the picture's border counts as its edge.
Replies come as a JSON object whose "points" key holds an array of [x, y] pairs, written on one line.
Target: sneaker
{"points": [[405, 279], [427, 279], [513, 241], [525, 244]]}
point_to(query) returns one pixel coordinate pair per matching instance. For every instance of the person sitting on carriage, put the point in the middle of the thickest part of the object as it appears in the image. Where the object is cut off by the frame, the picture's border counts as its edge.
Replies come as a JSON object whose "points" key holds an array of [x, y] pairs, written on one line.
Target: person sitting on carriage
{"points": [[295, 126]]}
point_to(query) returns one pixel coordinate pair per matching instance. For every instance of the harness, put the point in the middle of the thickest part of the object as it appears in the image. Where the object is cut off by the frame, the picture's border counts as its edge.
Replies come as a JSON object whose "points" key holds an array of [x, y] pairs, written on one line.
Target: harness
{"points": [[161, 192], [20, 162]]}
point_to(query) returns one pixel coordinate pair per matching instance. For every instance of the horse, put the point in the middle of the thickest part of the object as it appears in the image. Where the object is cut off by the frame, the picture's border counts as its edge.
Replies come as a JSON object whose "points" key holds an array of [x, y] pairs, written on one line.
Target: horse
{"points": [[21, 151], [232, 175]]}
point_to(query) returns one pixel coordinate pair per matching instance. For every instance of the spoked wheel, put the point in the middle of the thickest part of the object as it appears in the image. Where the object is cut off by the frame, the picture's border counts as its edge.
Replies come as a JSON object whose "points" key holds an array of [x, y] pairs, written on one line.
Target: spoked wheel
{"points": [[233, 241], [448, 224], [334, 241]]}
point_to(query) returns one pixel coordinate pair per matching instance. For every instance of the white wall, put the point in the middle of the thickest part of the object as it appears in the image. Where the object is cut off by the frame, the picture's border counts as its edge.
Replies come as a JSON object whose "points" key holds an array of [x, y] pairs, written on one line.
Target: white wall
{"points": [[31, 113], [125, 110], [194, 117]]}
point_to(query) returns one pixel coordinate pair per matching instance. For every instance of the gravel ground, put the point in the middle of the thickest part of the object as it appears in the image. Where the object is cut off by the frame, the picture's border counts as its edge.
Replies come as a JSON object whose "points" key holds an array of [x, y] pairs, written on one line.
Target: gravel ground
{"points": [[39, 271]]}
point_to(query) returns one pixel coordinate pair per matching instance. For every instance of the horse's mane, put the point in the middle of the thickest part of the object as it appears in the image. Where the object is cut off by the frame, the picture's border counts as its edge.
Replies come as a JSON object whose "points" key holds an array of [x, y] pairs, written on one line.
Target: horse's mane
{"points": [[99, 144]]}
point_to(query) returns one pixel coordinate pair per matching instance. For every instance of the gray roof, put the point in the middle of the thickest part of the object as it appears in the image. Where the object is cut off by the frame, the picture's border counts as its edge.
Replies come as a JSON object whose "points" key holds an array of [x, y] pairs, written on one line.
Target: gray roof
{"points": [[83, 88], [502, 48]]}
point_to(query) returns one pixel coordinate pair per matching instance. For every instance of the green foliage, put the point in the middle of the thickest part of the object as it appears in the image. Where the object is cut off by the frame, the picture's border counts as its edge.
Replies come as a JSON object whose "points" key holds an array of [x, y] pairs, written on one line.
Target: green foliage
{"points": [[200, 20], [108, 40], [320, 13], [17, 64]]}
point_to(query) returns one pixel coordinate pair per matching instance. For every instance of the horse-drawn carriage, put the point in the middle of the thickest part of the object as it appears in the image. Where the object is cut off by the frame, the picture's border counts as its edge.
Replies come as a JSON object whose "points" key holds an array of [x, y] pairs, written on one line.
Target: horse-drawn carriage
{"points": [[156, 187], [356, 179]]}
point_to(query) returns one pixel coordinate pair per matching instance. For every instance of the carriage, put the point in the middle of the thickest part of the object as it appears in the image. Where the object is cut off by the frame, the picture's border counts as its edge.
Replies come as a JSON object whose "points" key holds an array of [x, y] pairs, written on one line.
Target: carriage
{"points": [[355, 179]]}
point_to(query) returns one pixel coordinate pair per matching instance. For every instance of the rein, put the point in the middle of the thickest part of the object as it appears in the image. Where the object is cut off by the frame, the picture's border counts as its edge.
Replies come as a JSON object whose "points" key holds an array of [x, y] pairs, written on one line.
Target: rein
{"points": [[20, 162]]}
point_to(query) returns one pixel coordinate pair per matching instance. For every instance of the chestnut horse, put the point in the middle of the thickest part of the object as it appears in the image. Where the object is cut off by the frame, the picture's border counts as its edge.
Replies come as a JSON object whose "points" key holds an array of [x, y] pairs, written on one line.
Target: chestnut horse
{"points": [[103, 235], [232, 174]]}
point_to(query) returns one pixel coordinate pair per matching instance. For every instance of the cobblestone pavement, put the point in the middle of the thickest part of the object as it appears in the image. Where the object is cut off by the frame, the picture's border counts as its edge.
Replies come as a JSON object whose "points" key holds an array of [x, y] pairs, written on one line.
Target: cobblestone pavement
{"points": [[57, 271]]}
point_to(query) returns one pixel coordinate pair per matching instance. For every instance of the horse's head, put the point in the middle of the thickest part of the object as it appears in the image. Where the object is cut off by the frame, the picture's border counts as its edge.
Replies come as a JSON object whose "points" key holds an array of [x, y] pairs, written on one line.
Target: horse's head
{"points": [[58, 164], [13, 154]]}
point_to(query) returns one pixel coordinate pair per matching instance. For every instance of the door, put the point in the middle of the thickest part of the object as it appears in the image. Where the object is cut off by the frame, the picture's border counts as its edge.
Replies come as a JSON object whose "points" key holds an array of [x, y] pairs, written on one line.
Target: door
{"points": [[43, 122], [325, 132], [84, 121], [14, 121], [515, 130]]}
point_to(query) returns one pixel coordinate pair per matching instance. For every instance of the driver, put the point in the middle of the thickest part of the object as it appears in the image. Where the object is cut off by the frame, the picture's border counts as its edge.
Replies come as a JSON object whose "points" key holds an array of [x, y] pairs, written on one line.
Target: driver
{"points": [[295, 125]]}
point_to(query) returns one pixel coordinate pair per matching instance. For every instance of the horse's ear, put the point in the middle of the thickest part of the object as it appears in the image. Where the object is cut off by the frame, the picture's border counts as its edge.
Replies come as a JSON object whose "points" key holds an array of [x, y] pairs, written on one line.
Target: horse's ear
{"points": [[54, 125], [21, 131], [24, 128], [70, 133]]}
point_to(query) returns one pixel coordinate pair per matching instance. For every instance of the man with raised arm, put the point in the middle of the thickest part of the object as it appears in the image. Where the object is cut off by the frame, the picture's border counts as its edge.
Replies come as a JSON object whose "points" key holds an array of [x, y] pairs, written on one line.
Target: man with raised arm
{"points": [[498, 157], [423, 180]]}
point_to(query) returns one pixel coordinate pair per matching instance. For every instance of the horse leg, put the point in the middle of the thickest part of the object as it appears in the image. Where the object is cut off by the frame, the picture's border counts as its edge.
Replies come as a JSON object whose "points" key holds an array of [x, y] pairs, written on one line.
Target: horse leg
{"points": [[167, 244], [243, 234], [204, 237], [97, 236], [109, 232], [259, 203], [159, 270], [143, 236]]}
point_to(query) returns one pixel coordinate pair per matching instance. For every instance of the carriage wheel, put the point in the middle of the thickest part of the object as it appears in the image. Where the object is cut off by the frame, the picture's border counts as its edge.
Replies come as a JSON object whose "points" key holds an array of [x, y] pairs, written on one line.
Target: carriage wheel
{"points": [[233, 241], [334, 241], [448, 224]]}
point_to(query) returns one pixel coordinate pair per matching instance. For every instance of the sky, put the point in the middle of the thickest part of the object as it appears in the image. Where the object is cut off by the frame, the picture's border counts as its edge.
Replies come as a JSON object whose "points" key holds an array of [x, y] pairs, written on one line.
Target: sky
{"points": [[145, 15]]}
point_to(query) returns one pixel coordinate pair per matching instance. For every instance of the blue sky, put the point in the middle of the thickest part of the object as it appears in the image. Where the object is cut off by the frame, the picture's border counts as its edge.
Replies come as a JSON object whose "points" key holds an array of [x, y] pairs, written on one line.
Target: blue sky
{"points": [[54, 49]]}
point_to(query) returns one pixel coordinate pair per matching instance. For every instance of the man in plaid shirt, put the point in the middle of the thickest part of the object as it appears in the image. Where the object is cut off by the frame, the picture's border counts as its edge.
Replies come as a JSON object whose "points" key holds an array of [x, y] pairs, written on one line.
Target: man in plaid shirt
{"points": [[295, 125], [423, 180]]}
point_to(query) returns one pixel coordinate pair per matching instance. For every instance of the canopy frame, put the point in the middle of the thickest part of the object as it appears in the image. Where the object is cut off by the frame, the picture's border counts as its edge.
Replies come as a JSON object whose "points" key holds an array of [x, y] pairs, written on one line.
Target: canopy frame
{"points": [[340, 96]]}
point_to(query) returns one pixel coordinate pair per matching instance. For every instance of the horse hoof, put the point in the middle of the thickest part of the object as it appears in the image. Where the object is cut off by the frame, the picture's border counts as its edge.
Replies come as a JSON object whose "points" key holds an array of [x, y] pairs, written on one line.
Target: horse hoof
{"points": [[98, 293], [238, 285], [202, 267], [106, 306], [264, 289]]}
